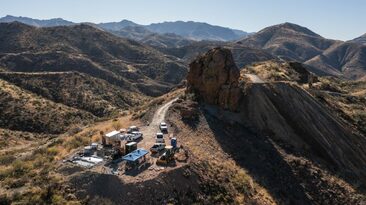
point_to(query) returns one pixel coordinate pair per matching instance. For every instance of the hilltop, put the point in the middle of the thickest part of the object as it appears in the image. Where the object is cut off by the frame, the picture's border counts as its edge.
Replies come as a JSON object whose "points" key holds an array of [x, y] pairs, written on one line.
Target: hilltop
{"points": [[289, 41]]}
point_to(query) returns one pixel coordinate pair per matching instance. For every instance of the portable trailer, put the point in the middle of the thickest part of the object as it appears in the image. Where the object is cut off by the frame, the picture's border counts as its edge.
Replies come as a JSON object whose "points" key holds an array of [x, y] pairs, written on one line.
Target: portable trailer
{"points": [[135, 158]]}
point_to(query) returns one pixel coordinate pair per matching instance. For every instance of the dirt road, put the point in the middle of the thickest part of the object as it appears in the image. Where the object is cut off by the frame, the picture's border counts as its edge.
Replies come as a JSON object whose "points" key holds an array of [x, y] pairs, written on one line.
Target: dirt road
{"points": [[147, 142], [151, 130]]}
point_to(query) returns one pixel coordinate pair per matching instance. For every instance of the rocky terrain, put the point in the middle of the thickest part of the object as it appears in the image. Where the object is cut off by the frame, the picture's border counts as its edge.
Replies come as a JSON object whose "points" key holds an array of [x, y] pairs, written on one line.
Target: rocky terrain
{"points": [[277, 117], [331, 145]]}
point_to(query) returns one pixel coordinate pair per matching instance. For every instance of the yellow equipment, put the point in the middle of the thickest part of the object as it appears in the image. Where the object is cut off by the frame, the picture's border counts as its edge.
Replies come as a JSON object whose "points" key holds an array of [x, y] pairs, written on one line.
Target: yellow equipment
{"points": [[167, 157]]}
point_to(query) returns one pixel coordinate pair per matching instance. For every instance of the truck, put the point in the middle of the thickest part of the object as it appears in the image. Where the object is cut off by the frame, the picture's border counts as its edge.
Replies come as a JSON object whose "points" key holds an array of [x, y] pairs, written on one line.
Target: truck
{"points": [[160, 137], [133, 136], [163, 127], [132, 129], [157, 147]]}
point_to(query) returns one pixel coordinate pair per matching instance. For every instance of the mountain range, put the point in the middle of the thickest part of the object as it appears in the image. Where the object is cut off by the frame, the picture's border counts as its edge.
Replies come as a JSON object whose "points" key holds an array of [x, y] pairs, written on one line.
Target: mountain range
{"points": [[322, 56], [191, 30], [110, 73]]}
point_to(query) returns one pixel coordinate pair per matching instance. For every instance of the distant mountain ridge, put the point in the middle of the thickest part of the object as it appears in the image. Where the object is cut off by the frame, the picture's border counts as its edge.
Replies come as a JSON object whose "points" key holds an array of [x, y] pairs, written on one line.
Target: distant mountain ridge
{"points": [[37, 22], [191, 30], [323, 56], [197, 30]]}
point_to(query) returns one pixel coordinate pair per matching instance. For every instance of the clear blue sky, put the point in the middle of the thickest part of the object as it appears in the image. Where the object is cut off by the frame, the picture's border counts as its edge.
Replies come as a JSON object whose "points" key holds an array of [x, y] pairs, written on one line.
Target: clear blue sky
{"points": [[337, 19]]}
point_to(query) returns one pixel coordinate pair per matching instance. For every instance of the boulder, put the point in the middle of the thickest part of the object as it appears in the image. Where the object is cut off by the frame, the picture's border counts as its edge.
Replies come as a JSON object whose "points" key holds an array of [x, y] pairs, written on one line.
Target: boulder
{"points": [[214, 78]]}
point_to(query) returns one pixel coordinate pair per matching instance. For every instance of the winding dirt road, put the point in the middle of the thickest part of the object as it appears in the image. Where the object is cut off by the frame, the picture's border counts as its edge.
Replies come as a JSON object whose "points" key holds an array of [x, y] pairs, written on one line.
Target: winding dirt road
{"points": [[151, 130]]}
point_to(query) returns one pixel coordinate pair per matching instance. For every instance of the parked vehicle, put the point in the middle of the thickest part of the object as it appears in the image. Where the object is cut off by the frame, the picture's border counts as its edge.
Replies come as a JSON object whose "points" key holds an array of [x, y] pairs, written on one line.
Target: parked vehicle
{"points": [[157, 147], [133, 129], [167, 156], [135, 135], [160, 137], [163, 127]]}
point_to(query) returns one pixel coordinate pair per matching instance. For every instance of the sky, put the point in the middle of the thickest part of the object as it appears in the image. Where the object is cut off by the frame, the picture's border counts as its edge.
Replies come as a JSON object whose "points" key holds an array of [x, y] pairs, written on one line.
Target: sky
{"points": [[335, 19]]}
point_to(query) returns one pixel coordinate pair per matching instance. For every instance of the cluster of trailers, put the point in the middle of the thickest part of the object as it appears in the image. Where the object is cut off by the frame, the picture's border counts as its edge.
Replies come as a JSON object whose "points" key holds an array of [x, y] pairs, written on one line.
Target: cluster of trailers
{"points": [[121, 146]]}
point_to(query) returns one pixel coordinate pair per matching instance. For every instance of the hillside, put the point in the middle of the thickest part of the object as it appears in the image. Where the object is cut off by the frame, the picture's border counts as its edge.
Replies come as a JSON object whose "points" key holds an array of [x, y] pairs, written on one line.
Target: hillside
{"points": [[289, 41], [85, 49], [343, 59], [77, 90], [298, 129], [25, 111]]}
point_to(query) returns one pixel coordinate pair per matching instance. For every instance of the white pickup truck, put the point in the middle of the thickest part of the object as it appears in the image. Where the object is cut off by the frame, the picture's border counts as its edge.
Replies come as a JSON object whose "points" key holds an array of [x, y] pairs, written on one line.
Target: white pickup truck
{"points": [[133, 136], [163, 127], [160, 137]]}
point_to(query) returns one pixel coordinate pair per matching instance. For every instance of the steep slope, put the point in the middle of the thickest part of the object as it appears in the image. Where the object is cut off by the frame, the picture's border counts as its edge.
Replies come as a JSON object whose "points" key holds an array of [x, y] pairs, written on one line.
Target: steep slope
{"points": [[289, 41], [284, 112], [36, 22], [86, 49], [24, 111], [196, 30], [342, 59], [77, 90]]}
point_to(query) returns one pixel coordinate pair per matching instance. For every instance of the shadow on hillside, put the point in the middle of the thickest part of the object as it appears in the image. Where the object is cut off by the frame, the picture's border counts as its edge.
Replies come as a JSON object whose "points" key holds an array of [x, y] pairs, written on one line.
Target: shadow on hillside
{"points": [[262, 161], [97, 188]]}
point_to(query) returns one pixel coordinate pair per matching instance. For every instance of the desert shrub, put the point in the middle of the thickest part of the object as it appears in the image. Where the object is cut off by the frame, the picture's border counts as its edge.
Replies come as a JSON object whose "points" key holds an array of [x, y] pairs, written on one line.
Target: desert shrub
{"points": [[4, 173], [116, 125], [242, 182], [20, 168], [52, 151], [6, 159], [76, 142]]}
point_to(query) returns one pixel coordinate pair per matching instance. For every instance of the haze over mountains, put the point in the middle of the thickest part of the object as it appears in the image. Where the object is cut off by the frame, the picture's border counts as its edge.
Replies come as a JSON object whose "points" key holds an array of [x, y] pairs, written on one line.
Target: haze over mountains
{"points": [[191, 30]]}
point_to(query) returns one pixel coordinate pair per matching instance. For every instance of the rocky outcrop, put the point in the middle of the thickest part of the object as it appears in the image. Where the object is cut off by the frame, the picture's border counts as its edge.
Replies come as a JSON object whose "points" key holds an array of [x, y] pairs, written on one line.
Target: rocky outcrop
{"points": [[283, 111], [214, 78]]}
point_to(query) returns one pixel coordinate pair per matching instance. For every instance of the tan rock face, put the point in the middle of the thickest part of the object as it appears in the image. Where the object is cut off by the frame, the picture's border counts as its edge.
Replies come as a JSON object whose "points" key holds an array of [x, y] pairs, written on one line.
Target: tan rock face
{"points": [[214, 77]]}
